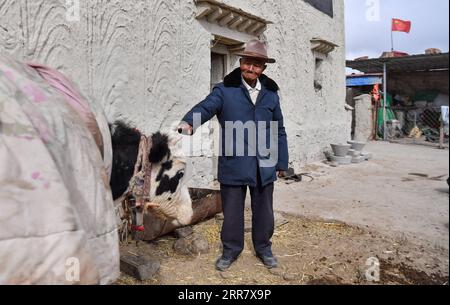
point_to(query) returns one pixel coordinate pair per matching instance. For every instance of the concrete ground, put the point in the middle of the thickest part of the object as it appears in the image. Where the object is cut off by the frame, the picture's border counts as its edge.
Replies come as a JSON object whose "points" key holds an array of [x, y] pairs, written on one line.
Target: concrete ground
{"points": [[401, 192]]}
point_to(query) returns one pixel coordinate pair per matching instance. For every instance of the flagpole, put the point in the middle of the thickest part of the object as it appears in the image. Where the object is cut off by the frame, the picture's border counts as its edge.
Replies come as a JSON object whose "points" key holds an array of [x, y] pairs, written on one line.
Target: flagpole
{"points": [[392, 35], [392, 40]]}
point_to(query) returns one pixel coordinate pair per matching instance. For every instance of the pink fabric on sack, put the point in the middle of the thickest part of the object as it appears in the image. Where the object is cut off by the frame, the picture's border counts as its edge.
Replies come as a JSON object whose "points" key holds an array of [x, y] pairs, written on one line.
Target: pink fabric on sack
{"points": [[73, 97]]}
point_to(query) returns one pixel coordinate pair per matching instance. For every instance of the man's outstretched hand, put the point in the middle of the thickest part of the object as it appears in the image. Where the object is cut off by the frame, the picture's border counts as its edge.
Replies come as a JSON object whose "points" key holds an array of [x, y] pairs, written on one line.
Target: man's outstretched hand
{"points": [[186, 129]]}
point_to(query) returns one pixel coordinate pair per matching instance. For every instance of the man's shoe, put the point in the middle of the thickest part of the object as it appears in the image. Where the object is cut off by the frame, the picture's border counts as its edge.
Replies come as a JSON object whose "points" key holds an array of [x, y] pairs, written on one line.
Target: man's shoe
{"points": [[269, 261], [224, 263]]}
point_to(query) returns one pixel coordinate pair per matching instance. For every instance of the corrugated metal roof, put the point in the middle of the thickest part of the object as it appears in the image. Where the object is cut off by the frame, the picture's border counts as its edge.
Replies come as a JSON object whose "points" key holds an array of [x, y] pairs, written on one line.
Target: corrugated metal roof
{"points": [[411, 63]]}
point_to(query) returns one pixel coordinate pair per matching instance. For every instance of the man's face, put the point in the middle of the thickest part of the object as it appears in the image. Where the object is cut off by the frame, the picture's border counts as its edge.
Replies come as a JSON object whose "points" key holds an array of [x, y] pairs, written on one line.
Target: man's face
{"points": [[252, 68]]}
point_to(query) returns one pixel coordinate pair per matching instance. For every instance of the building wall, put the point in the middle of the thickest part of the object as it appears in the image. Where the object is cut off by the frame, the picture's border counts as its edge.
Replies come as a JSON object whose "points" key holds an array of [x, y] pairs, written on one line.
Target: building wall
{"points": [[149, 62], [313, 119]]}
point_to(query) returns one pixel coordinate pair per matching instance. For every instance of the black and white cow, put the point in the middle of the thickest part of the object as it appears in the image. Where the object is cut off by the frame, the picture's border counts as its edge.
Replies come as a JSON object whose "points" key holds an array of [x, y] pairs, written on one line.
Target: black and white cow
{"points": [[168, 190]]}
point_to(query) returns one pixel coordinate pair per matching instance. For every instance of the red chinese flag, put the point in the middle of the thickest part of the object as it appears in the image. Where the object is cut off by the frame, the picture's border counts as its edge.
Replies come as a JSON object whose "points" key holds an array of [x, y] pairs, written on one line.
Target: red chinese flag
{"points": [[401, 25]]}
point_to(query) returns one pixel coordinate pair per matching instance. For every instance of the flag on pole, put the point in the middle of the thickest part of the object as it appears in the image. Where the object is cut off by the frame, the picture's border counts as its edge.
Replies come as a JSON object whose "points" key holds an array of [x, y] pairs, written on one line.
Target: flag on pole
{"points": [[399, 25]]}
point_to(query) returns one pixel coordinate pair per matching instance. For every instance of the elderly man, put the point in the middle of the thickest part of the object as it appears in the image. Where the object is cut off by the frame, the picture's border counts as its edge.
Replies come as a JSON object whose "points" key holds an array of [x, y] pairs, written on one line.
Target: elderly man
{"points": [[247, 98]]}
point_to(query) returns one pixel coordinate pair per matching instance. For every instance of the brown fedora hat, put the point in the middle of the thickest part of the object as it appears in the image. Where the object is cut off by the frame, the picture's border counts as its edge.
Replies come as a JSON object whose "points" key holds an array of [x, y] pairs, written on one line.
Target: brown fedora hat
{"points": [[256, 49]]}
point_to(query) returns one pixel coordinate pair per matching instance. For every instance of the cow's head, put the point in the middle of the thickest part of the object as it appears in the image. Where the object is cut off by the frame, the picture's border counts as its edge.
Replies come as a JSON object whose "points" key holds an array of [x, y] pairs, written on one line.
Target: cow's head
{"points": [[169, 193]]}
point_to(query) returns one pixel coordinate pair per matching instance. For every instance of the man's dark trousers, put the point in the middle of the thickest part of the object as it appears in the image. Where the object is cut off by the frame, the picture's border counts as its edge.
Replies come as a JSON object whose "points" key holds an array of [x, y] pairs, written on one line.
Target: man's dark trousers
{"points": [[233, 205]]}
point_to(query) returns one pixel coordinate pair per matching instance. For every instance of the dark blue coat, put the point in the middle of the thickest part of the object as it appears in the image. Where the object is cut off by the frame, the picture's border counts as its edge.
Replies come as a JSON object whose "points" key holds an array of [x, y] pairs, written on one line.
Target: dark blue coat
{"points": [[231, 102]]}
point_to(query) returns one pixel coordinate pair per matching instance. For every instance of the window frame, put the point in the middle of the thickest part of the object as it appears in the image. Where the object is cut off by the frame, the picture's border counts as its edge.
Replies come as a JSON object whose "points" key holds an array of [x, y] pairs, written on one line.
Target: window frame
{"points": [[325, 7]]}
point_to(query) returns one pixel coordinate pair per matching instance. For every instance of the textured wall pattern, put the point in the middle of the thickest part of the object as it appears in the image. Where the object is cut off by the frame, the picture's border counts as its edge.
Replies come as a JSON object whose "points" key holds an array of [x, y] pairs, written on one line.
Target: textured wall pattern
{"points": [[148, 61], [313, 119]]}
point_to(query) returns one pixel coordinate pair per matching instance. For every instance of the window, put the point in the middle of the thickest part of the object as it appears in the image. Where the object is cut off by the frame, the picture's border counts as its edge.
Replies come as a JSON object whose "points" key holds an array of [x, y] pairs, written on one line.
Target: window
{"points": [[218, 68], [325, 6], [318, 75]]}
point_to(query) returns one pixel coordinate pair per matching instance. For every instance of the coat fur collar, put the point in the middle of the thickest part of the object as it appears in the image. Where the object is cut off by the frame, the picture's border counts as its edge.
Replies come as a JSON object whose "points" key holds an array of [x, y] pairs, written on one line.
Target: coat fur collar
{"points": [[234, 79]]}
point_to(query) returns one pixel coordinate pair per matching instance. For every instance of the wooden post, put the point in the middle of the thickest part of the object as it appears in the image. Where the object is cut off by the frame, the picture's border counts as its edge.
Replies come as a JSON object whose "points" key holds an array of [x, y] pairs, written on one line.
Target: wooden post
{"points": [[385, 98], [374, 119]]}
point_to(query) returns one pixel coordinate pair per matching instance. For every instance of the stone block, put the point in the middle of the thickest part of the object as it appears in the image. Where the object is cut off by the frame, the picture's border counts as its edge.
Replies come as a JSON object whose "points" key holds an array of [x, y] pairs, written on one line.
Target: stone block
{"points": [[138, 267]]}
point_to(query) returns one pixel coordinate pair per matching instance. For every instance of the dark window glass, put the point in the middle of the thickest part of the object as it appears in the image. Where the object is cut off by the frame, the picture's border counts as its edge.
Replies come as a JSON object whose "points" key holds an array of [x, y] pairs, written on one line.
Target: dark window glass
{"points": [[325, 6]]}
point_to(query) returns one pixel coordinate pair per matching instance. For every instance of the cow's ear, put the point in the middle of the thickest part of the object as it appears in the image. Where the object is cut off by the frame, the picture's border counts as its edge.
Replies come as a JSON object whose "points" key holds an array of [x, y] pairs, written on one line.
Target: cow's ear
{"points": [[160, 148], [124, 134]]}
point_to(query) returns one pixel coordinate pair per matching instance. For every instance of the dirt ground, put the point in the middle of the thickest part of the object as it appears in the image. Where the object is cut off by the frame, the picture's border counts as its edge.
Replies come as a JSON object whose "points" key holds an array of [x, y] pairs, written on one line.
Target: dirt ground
{"points": [[310, 252], [393, 208]]}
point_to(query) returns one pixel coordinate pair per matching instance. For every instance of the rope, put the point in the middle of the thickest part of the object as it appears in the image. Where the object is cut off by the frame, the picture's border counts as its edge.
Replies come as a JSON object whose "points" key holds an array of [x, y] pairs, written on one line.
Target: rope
{"points": [[139, 188]]}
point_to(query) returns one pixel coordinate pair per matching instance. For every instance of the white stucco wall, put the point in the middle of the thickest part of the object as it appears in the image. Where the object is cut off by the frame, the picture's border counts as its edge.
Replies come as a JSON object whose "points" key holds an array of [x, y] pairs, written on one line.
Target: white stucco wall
{"points": [[149, 62], [313, 120]]}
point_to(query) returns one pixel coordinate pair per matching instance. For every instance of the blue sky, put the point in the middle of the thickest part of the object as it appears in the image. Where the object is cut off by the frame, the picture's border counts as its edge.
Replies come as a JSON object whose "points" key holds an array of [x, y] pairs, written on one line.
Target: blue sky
{"points": [[368, 29]]}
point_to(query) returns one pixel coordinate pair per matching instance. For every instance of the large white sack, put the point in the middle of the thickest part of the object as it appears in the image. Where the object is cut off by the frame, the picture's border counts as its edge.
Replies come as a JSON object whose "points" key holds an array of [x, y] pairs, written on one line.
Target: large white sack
{"points": [[56, 210]]}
